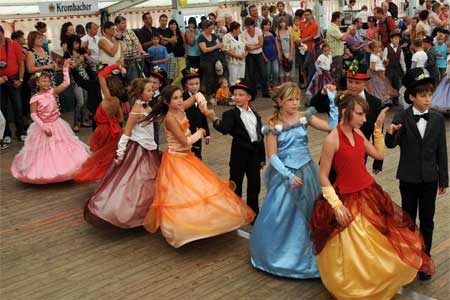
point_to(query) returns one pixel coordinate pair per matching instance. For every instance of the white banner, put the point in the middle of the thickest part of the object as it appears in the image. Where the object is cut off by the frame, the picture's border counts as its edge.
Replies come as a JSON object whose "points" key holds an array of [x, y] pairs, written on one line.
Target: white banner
{"points": [[68, 7]]}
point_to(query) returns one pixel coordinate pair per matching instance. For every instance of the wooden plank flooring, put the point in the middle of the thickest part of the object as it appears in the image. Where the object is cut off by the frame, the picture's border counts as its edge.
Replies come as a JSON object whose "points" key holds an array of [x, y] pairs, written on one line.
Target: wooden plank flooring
{"points": [[48, 251]]}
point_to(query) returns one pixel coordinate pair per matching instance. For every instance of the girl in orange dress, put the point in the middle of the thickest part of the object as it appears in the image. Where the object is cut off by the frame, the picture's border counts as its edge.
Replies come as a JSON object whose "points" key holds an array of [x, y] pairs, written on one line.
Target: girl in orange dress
{"points": [[191, 202], [108, 117], [366, 246]]}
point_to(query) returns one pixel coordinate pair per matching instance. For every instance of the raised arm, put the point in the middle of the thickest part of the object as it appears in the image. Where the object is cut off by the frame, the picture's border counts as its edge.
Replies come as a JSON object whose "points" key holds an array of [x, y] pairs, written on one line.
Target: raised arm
{"points": [[172, 125], [111, 51], [66, 81]]}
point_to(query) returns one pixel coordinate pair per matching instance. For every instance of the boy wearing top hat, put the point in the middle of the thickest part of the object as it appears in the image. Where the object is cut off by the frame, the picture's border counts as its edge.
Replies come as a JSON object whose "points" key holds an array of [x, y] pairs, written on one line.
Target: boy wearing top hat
{"points": [[248, 154], [396, 67], [157, 78], [191, 83], [357, 80], [423, 165]]}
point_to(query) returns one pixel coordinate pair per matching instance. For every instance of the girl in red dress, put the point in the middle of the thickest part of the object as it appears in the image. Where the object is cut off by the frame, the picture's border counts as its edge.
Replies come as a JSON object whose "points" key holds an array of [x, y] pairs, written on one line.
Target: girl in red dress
{"points": [[366, 247], [108, 117]]}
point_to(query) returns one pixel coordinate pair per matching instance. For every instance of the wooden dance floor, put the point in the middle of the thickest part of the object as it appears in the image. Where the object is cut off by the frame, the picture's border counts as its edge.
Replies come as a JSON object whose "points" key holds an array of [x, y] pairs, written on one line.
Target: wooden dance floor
{"points": [[49, 252]]}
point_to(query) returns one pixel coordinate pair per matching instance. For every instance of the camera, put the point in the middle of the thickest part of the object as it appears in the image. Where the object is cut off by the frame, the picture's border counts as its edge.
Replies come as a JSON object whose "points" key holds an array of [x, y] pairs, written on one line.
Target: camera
{"points": [[3, 65]]}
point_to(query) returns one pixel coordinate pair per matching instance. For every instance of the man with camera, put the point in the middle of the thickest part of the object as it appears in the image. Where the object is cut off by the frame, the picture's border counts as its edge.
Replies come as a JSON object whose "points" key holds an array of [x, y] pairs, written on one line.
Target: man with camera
{"points": [[12, 68]]}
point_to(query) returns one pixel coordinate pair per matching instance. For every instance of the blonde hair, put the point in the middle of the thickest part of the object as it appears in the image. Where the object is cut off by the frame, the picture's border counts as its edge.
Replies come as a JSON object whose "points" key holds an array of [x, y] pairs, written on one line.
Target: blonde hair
{"points": [[374, 45], [287, 90]]}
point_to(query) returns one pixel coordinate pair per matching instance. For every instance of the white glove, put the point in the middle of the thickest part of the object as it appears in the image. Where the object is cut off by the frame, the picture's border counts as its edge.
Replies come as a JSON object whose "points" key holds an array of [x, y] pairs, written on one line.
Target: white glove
{"points": [[122, 146]]}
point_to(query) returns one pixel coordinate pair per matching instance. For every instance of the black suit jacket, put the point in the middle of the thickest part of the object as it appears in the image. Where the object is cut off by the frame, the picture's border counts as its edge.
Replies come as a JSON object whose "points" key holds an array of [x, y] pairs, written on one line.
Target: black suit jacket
{"points": [[241, 146], [421, 159], [321, 103], [196, 118]]}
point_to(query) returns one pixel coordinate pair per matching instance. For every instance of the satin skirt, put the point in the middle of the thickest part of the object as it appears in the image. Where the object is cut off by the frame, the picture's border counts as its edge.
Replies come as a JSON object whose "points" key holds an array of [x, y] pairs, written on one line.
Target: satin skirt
{"points": [[380, 251], [192, 202], [127, 190], [48, 159], [380, 86], [103, 144], [441, 96], [280, 242]]}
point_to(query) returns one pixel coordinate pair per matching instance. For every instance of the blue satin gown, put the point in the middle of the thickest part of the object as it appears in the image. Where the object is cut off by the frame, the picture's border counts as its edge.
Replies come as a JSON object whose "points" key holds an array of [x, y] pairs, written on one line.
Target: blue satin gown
{"points": [[280, 242]]}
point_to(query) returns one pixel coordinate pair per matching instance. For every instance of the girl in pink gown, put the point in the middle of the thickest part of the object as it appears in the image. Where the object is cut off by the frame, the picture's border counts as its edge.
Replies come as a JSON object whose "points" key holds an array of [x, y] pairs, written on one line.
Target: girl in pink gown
{"points": [[52, 152]]}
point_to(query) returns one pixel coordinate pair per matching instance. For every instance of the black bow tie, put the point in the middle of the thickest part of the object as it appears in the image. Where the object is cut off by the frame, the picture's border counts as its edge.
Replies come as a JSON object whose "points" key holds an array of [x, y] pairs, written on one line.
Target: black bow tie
{"points": [[425, 116]]}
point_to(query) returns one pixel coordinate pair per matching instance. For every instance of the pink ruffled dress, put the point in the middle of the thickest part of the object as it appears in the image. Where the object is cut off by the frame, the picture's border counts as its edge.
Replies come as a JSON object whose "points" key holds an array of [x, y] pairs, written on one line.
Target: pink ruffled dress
{"points": [[47, 159]]}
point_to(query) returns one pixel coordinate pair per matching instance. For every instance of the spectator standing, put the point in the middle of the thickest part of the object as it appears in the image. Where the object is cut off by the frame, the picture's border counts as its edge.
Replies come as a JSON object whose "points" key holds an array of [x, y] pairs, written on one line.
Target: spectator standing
{"points": [[91, 41], [309, 30], [146, 32], [335, 39], [168, 40], [253, 10], [235, 53], [385, 25], [255, 62], [109, 52], [282, 13], [191, 37], [42, 28], [179, 52], [12, 69], [130, 46]]}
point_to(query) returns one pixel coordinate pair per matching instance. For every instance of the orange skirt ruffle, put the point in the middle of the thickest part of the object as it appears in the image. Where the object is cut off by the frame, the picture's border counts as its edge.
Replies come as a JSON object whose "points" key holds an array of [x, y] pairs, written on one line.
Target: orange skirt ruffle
{"points": [[192, 202]]}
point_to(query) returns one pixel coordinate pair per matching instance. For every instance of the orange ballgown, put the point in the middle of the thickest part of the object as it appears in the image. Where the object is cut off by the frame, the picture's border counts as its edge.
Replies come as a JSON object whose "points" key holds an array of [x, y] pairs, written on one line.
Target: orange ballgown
{"points": [[192, 202], [103, 144]]}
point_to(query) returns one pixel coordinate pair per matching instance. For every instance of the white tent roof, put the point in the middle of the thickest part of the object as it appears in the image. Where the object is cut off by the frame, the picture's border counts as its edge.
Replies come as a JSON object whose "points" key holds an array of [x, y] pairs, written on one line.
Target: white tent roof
{"points": [[27, 7]]}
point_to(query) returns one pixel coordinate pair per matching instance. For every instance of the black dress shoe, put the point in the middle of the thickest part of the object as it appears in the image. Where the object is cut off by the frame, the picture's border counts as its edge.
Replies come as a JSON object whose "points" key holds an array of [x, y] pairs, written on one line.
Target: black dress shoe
{"points": [[424, 277]]}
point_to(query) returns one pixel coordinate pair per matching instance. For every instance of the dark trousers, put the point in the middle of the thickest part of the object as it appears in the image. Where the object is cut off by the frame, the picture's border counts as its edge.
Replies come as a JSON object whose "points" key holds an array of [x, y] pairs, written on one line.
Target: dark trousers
{"points": [[251, 168], [209, 77], [8, 93], [197, 149], [257, 73], [422, 197]]}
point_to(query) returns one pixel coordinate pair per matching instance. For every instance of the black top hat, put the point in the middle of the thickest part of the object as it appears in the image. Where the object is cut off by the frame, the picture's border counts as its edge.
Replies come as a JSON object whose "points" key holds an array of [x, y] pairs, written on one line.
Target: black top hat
{"points": [[428, 39], [413, 78], [189, 73], [243, 85], [159, 72], [357, 71], [395, 32]]}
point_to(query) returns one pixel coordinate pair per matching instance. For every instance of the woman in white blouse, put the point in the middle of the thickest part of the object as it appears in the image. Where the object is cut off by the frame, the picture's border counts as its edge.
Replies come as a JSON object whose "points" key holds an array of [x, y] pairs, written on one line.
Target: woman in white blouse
{"points": [[234, 49], [110, 51]]}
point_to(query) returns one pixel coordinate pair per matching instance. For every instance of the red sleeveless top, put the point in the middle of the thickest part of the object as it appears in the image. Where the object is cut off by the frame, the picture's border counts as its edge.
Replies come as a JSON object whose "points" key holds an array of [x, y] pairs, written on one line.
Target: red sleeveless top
{"points": [[349, 164]]}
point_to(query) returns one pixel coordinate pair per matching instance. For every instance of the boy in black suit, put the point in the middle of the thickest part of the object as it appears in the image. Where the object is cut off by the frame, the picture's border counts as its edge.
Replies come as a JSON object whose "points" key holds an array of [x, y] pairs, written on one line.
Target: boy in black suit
{"points": [[423, 166], [191, 81], [247, 155]]}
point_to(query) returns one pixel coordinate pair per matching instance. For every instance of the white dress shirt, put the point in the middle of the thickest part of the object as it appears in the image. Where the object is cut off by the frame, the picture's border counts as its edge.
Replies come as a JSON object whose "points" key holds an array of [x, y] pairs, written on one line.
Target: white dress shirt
{"points": [[402, 57], [250, 122], [422, 124]]}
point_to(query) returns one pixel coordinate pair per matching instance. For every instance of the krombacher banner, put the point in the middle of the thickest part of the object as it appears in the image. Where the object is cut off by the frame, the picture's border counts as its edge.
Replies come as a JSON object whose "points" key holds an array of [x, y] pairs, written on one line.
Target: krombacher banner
{"points": [[68, 7]]}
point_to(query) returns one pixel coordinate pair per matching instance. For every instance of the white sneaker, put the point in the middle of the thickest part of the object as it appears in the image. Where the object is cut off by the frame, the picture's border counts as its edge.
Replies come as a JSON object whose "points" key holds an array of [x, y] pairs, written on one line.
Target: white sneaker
{"points": [[23, 137], [7, 140]]}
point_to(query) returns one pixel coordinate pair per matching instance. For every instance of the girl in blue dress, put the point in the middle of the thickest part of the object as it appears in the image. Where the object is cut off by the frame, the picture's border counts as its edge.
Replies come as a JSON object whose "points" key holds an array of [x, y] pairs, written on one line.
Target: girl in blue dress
{"points": [[280, 242]]}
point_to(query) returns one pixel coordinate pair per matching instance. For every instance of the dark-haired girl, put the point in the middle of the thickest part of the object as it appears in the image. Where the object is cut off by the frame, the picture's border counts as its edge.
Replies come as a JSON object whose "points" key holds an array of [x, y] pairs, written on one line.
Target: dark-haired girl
{"points": [[52, 152], [191, 202], [103, 141], [127, 190], [191, 37], [366, 247]]}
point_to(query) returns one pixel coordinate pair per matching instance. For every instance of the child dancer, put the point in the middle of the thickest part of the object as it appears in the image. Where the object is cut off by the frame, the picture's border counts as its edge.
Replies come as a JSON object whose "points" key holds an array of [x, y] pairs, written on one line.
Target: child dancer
{"points": [[191, 202], [366, 247], [419, 58], [108, 117], [127, 190], [323, 74], [191, 81], [379, 85], [280, 242], [423, 165], [52, 152], [441, 96], [247, 155], [431, 64], [396, 66], [223, 94]]}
